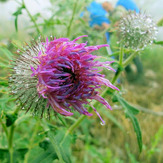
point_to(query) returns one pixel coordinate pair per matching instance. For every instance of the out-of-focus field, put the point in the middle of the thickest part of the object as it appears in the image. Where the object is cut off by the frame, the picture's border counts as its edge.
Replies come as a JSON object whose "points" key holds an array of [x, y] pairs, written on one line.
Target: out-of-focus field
{"points": [[114, 142]]}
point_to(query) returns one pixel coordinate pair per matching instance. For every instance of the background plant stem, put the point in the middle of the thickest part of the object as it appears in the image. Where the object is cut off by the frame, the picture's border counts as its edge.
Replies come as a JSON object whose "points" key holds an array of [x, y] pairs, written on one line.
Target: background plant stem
{"points": [[32, 141], [72, 18], [10, 142], [32, 18], [10, 137]]}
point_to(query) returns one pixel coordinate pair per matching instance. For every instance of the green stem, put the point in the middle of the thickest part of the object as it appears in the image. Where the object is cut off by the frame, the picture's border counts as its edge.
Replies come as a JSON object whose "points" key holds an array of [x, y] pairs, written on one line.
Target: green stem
{"points": [[10, 138], [116, 76], [32, 18], [129, 59], [62, 120], [76, 124], [121, 56], [72, 18], [10, 142], [32, 141], [4, 128]]}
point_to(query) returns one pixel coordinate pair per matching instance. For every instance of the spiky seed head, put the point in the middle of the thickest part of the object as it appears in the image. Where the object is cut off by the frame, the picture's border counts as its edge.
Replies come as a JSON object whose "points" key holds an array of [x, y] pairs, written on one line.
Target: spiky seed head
{"points": [[137, 30]]}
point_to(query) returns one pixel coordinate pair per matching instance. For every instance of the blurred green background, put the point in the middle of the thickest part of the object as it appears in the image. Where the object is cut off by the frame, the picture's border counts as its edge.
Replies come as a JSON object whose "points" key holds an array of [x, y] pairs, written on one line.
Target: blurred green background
{"points": [[114, 142]]}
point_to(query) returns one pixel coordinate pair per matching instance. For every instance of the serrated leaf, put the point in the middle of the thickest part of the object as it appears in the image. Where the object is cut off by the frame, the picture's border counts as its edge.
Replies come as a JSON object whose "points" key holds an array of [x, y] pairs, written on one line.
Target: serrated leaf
{"points": [[131, 111], [137, 129]]}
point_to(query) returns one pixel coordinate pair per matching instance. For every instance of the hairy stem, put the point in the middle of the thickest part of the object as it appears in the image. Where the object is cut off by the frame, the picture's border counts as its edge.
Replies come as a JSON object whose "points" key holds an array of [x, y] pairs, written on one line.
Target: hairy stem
{"points": [[121, 56], [129, 59]]}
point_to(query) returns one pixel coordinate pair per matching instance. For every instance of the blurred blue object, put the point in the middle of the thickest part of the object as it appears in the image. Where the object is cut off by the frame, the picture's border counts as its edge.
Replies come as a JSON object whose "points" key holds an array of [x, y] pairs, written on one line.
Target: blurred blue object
{"points": [[107, 35], [97, 14], [128, 5]]}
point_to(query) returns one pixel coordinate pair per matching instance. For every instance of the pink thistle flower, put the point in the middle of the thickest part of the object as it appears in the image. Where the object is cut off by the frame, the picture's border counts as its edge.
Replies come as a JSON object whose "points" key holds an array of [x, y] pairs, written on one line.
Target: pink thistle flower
{"points": [[60, 74]]}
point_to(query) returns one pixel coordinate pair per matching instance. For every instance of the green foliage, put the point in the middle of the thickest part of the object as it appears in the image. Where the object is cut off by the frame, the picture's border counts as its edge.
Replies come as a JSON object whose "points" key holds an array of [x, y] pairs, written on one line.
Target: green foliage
{"points": [[130, 112], [130, 155], [18, 155], [61, 148], [155, 143], [10, 119], [37, 140], [16, 14]]}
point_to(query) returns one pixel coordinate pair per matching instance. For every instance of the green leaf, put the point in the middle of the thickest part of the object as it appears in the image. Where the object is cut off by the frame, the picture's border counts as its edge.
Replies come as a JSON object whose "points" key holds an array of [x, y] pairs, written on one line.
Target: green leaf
{"points": [[4, 83], [10, 119], [137, 129], [131, 111], [48, 153], [61, 147], [6, 53], [16, 14], [129, 108], [56, 146], [160, 23], [44, 156], [36, 16], [18, 155]]}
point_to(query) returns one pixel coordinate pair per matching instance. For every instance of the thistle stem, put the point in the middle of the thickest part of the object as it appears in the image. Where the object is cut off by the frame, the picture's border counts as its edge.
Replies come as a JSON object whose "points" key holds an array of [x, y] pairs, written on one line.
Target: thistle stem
{"points": [[10, 142], [32, 18], [72, 18], [129, 59], [75, 125], [121, 56], [10, 138]]}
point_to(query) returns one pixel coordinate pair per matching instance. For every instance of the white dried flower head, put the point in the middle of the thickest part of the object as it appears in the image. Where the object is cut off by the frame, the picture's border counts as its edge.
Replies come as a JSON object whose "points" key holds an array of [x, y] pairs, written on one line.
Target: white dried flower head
{"points": [[137, 30]]}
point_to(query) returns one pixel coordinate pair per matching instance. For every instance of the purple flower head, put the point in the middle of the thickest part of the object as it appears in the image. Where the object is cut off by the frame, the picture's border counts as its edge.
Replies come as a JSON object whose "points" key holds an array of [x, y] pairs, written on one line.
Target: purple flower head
{"points": [[64, 74]]}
